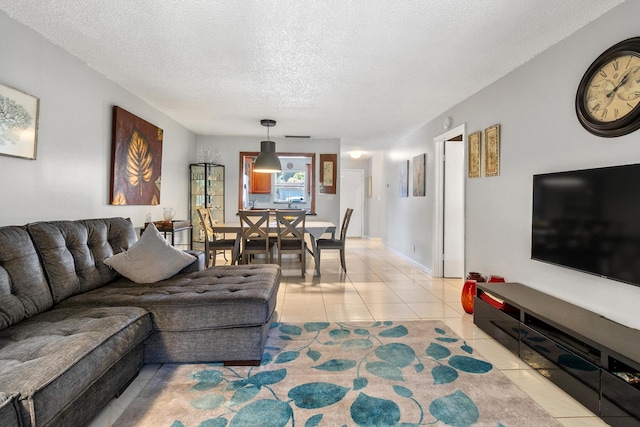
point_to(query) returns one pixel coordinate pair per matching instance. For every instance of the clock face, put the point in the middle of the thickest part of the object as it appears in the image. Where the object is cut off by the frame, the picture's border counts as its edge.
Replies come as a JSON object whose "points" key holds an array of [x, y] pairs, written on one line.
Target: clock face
{"points": [[614, 90], [608, 96]]}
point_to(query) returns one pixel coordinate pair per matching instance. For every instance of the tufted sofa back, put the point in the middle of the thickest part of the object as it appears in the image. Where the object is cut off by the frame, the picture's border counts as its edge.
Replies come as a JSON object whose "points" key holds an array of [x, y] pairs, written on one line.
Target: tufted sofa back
{"points": [[72, 252], [23, 287]]}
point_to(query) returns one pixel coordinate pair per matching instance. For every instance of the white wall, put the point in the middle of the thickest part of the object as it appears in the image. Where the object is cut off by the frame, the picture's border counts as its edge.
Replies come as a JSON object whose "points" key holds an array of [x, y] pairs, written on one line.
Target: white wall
{"points": [[408, 221], [70, 177], [327, 205], [539, 133]]}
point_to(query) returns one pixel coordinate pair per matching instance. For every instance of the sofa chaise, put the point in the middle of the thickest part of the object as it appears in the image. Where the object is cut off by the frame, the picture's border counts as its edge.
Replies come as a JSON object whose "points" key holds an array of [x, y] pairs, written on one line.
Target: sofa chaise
{"points": [[74, 332]]}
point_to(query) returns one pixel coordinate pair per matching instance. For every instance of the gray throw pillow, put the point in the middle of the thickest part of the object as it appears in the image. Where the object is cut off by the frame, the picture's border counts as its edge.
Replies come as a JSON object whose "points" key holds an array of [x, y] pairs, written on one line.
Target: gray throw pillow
{"points": [[150, 259]]}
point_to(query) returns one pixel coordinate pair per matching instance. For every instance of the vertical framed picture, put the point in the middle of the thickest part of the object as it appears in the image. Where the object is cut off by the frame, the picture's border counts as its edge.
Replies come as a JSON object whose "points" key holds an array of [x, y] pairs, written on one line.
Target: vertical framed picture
{"points": [[474, 140], [136, 160], [403, 171], [328, 173], [18, 123], [419, 168], [492, 151]]}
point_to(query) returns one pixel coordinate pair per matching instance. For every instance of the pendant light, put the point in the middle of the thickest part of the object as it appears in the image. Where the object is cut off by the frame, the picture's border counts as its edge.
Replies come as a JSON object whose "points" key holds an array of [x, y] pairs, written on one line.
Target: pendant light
{"points": [[267, 161]]}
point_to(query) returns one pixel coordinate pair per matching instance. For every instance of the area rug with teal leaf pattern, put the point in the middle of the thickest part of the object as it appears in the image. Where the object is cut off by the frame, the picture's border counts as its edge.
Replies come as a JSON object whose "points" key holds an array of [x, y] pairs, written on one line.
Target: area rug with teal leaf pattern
{"points": [[413, 373]]}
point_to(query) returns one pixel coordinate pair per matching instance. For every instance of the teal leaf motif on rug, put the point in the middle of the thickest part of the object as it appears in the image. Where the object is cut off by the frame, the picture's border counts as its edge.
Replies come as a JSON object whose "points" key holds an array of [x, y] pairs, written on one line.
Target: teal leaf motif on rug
{"points": [[395, 332], [372, 411], [317, 395], [209, 401], [360, 383], [287, 356], [290, 330], [255, 414], [338, 334], [444, 374], [267, 377], [356, 345], [445, 339], [402, 391], [385, 370], [244, 395], [469, 364], [313, 421], [465, 347], [316, 326], [314, 355], [398, 354], [438, 351], [336, 365], [456, 410], [207, 379], [266, 359], [214, 422]]}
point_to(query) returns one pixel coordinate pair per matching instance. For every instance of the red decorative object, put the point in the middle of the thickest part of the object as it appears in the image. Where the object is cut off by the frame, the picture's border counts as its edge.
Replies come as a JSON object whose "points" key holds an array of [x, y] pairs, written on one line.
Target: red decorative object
{"points": [[468, 293], [475, 276], [495, 279]]}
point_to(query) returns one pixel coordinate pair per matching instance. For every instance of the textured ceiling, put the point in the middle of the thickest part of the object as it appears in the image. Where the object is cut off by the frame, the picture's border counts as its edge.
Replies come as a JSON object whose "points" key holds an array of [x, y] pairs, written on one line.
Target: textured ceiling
{"points": [[363, 71]]}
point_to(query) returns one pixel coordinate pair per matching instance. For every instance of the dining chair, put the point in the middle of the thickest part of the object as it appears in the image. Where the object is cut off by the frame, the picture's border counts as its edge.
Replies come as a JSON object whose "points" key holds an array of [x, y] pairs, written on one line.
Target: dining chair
{"points": [[212, 244], [290, 225], [255, 235], [335, 243]]}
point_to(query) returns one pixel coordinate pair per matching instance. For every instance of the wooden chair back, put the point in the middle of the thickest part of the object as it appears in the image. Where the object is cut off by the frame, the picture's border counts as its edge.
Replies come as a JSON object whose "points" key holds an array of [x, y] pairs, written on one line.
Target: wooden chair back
{"points": [[255, 233]]}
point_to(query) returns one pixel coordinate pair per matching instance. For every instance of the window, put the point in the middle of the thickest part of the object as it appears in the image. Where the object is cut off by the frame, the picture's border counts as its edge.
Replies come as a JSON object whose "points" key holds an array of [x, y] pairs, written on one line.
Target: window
{"points": [[290, 187], [293, 187]]}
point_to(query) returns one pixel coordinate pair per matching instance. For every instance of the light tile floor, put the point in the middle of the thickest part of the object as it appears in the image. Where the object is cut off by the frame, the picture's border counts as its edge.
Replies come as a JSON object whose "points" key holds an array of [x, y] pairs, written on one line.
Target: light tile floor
{"points": [[380, 285]]}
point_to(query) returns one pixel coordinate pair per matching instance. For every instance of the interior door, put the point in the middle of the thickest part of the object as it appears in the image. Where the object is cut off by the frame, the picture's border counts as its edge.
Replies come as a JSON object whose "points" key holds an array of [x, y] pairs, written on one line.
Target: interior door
{"points": [[352, 196], [453, 216]]}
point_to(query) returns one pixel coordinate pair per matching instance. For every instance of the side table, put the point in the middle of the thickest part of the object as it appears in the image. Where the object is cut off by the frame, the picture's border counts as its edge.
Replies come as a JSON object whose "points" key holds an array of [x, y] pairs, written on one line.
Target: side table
{"points": [[172, 227]]}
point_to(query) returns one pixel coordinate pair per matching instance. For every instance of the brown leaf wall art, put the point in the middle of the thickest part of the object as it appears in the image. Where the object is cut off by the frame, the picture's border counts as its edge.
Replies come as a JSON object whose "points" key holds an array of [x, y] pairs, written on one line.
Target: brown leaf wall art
{"points": [[136, 160]]}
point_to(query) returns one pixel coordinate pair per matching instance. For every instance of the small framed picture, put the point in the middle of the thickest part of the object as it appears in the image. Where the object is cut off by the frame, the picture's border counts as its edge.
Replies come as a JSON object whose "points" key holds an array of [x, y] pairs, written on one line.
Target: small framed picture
{"points": [[492, 151], [474, 154], [328, 173], [18, 123], [403, 182], [419, 169]]}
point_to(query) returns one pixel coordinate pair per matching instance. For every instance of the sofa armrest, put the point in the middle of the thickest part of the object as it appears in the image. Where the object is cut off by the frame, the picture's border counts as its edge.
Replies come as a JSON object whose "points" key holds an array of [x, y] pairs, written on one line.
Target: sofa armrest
{"points": [[197, 264]]}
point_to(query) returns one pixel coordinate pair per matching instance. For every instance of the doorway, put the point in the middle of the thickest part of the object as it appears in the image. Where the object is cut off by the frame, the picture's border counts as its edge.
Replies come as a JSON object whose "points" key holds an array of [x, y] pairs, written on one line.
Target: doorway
{"points": [[352, 196], [449, 242]]}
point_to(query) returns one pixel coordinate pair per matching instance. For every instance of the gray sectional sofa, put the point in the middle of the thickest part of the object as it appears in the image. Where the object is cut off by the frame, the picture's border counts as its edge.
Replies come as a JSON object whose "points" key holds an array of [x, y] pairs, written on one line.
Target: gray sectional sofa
{"points": [[74, 333]]}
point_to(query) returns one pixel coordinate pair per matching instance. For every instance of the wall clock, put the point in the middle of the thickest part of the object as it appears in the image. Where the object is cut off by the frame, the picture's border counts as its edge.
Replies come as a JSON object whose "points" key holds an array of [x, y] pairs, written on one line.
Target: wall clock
{"points": [[608, 96]]}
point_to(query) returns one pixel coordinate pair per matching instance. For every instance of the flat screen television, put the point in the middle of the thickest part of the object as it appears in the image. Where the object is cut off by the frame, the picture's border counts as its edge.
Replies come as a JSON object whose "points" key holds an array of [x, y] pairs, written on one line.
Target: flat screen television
{"points": [[589, 220]]}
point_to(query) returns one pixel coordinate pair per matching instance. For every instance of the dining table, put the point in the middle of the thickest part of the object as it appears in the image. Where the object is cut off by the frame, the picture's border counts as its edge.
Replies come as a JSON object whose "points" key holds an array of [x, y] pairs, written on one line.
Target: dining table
{"points": [[314, 229]]}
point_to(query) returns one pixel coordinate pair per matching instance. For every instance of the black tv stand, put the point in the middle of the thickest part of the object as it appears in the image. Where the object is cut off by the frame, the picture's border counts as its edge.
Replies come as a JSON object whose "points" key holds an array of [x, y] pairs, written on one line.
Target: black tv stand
{"points": [[589, 356]]}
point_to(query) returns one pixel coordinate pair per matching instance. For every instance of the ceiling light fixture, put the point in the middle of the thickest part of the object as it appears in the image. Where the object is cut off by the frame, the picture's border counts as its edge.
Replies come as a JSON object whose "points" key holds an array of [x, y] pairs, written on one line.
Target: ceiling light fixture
{"points": [[355, 154], [267, 161]]}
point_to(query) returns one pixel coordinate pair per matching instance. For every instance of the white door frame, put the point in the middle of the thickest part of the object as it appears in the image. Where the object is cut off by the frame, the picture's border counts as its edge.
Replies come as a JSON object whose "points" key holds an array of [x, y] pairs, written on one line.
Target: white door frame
{"points": [[438, 220]]}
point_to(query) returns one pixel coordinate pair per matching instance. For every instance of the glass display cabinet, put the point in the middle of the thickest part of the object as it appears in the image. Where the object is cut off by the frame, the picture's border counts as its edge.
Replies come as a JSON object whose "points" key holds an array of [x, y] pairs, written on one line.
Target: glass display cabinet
{"points": [[207, 191]]}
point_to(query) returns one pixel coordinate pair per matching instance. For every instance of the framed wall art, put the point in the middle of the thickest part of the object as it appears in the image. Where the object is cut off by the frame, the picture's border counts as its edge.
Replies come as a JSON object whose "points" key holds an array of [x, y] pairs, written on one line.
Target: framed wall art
{"points": [[403, 189], [474, 140], [328, 173], [18, 123], [419, 167], [492, 151], [136, 160]]}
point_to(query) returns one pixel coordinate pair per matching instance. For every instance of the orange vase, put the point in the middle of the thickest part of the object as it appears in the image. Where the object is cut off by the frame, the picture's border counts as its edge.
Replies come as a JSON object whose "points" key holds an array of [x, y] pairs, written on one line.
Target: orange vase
{"points": [[468, 293]]}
